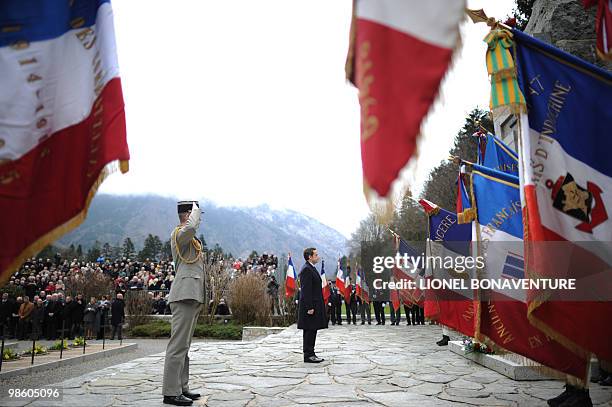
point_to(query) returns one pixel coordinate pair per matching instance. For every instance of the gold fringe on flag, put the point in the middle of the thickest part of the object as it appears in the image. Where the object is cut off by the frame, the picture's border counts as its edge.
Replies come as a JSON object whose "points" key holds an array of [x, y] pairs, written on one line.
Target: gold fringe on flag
{"points": [[67, 226], [467, 216]]}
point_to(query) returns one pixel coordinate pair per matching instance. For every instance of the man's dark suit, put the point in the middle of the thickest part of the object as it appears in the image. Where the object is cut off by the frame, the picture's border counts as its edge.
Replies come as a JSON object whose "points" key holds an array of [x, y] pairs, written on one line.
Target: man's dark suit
{"points": [[311, 297], [336, 308]]}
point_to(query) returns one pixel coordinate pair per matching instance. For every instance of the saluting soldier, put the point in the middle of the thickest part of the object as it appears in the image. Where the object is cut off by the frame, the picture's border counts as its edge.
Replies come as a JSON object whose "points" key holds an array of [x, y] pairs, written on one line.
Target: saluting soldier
{"points": [[185, 300]]}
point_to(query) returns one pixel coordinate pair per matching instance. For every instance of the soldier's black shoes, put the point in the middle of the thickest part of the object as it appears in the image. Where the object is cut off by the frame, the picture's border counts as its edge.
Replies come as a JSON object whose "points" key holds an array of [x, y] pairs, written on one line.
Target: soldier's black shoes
{"points": [[607, 381], [444, 341], [178, 400], [190, 395], [313, 359], [580, 398], [572, 397]]}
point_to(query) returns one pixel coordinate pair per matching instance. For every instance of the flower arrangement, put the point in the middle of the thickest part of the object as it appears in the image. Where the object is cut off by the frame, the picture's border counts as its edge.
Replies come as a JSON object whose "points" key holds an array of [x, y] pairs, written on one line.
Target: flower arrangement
{"points": [[10, 354], [59, 344], [78, 341], [38, 350], [470, 345]]}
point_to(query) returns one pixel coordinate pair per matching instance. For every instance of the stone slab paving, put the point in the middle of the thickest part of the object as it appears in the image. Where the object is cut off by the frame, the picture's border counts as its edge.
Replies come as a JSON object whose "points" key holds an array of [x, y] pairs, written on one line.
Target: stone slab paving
{"points": [[365, 366]]}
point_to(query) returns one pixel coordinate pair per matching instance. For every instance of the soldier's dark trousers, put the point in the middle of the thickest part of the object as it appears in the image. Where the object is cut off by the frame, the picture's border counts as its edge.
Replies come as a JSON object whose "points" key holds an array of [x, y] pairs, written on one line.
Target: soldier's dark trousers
{"points": [[365, 310]]}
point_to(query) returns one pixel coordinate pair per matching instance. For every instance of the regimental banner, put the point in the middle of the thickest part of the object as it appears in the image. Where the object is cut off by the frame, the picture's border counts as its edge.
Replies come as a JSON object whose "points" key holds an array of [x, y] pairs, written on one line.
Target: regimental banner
{"points": [[502, 314], [498, 156], [62, 119], [400, 51], [566, 181], [410, 273], [449, 239]]}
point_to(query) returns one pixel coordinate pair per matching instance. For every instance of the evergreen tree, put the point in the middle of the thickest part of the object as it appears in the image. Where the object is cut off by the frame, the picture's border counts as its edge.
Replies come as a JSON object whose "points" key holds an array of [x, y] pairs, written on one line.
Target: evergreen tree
{"points": [[48, 252], [79, 252], [152, 248], [201, 237], [128, 248], [107, 251], [440, 188], [217, 252], [167, 251], [94, 252]]}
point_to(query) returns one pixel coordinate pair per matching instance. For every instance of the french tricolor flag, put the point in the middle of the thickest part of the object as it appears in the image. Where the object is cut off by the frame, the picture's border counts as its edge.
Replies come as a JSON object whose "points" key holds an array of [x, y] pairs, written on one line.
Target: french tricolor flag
{"points": [[340, 281], [290, 279], [400, 50], [62, 119], [566, 191], [324, 283]]}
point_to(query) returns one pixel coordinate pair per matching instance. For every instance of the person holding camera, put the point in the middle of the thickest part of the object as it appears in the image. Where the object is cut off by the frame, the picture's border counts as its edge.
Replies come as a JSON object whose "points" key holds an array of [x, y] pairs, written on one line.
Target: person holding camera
{"points": [[185, 301]]}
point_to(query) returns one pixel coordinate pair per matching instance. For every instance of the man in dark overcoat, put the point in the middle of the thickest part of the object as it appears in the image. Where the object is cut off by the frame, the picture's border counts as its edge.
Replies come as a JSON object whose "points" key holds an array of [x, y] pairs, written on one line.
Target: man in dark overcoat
{"points": [[311, 315]]}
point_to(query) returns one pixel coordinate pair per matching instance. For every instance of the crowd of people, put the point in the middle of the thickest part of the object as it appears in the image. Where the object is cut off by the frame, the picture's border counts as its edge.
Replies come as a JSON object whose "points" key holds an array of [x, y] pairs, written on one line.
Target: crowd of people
{"points": [[53, 316], [266, 264], [355, 305], [40, 304], [39, 300]]}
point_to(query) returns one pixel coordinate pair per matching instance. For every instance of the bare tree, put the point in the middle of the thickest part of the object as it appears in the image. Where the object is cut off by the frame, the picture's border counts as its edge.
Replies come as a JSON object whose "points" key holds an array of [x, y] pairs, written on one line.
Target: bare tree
{"points": [[217, 278]]}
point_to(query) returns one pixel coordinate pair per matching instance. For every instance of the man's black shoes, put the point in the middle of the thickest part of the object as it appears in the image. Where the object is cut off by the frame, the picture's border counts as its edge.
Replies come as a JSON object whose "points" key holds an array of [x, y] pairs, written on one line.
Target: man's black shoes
{"points": [[444, 341], [192, 396], [178, 400], [313, 359]]}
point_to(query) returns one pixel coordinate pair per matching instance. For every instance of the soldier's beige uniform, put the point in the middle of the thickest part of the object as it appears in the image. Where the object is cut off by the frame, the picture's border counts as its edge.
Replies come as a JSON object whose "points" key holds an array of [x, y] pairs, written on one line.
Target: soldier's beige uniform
{"points": [[185, 300]]}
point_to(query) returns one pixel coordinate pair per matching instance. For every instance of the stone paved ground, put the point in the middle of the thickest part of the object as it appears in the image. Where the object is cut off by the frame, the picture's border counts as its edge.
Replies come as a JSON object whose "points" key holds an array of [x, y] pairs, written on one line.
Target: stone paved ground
{"points": [[365, 366]]}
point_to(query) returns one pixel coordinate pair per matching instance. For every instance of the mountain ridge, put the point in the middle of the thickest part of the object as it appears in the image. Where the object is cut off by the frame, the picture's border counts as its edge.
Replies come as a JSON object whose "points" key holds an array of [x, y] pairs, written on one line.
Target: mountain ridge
{"points": [[238, 230]]}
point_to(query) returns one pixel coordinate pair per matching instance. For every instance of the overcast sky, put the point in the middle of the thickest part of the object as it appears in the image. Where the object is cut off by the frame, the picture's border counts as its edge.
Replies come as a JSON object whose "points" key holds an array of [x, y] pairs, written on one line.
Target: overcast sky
{"points": [[244, 102]]}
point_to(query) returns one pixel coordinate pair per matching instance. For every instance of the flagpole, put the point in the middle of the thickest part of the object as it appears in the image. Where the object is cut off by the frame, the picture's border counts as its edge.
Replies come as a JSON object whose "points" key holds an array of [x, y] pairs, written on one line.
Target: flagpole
{"points": [[479, 16], [458, 160]]}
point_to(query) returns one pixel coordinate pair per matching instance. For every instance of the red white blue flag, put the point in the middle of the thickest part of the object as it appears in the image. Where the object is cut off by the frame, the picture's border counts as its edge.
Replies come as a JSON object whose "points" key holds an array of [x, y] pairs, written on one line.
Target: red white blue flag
{"points": [[62, 119], [566, 181], [400, 51], [290, 279], [324, 283]]}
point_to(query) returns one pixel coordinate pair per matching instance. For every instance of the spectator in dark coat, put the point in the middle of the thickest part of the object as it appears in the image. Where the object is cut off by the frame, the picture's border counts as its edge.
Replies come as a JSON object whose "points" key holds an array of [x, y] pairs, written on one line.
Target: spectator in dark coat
{"points": [[38, 317], [52, 311], [89, 318], [14, 322], [117, 315], [6, 309], [31, 288], [102, 316], [68, 314], [77, 316], [222, 308]]}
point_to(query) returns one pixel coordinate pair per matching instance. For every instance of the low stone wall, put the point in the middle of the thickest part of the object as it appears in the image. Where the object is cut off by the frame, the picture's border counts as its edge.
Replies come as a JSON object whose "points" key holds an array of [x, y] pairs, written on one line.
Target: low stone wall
{"points": [[71, 357], [499, 364], [256, 332]]}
